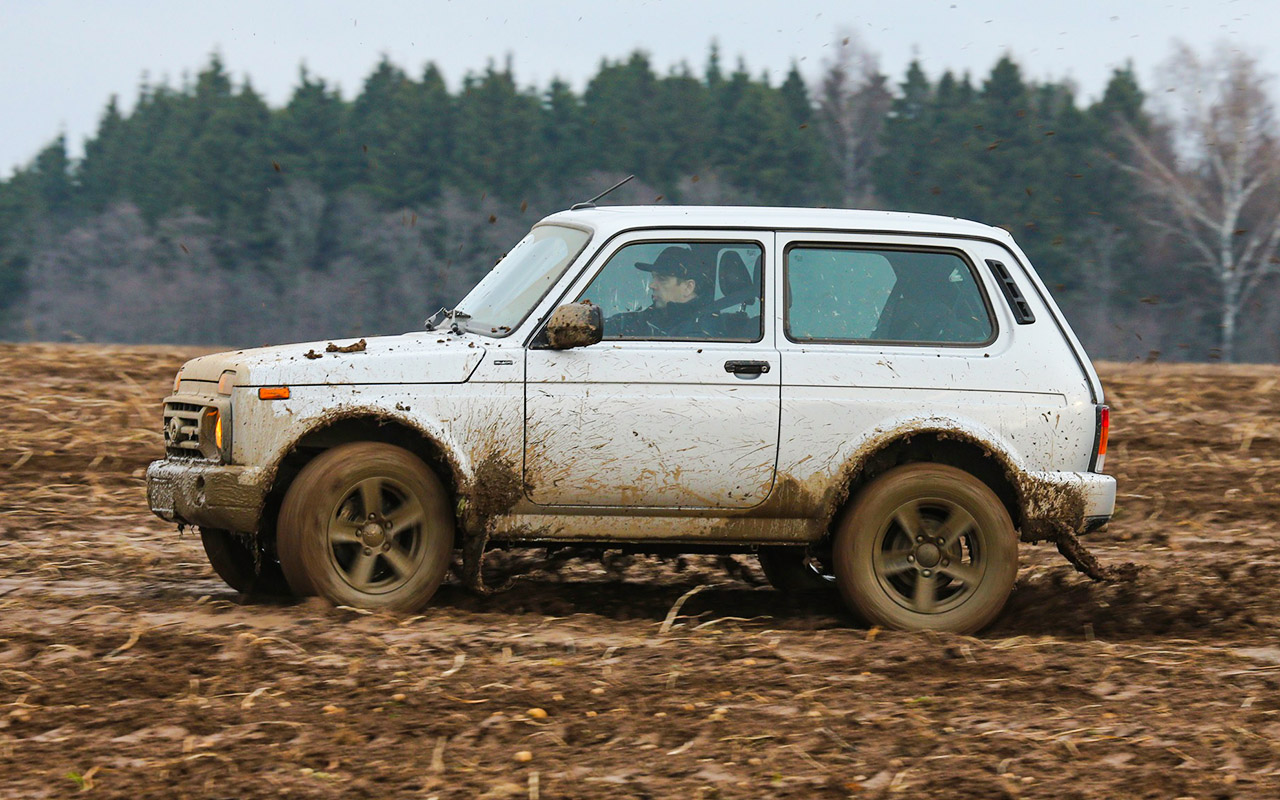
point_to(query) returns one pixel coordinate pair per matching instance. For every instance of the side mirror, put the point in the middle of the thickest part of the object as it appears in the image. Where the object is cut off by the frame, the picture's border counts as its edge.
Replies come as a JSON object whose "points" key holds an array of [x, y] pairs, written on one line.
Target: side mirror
{"points": [[575, 325]]}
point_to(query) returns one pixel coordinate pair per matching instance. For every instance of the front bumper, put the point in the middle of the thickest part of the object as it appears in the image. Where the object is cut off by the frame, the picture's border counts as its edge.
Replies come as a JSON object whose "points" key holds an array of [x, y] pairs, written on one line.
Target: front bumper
{"points": [[208, 494]]}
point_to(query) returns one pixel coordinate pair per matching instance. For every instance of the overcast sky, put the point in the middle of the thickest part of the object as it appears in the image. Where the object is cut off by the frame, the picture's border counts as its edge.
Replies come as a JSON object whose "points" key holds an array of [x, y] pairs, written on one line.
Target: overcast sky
{"points": [[60, 60]]}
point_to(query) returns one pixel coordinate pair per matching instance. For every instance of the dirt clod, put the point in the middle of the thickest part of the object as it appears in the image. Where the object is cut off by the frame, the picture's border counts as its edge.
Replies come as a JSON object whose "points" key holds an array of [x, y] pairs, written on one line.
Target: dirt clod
{"points": [[354, 347], [1079, 556]]}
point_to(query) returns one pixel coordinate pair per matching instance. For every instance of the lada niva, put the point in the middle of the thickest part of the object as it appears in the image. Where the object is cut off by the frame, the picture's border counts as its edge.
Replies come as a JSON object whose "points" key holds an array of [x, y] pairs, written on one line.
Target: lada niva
{"points": [[885, 402]]}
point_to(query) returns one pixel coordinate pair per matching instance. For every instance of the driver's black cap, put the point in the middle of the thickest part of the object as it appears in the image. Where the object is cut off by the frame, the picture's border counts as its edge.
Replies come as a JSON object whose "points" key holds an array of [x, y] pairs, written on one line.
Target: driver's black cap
{"points": [[673, 260]]}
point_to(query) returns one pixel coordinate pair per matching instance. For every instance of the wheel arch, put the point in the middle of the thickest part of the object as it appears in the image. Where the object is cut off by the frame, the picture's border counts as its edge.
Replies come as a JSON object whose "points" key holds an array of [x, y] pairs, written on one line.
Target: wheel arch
{"points": [[952, 446], [360, 425]]}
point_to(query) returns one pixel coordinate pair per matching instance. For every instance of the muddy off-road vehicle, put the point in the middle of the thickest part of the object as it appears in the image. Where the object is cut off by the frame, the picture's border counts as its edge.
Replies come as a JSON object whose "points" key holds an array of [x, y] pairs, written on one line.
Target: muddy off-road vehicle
{"points": [[887, 402]]}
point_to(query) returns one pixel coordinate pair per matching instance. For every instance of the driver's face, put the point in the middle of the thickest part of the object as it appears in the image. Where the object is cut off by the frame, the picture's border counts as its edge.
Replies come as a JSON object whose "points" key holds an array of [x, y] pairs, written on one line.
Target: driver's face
{"points": [[670, 289]]}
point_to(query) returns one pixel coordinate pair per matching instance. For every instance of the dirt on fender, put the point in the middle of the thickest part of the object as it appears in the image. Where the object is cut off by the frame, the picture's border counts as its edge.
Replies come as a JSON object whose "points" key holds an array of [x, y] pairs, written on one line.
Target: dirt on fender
{"points": [[128, 669]]}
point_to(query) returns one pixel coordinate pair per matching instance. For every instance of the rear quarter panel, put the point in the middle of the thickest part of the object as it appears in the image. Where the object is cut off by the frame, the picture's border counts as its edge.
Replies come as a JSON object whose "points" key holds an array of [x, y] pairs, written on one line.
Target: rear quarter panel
{"points": [[1024, 395]]}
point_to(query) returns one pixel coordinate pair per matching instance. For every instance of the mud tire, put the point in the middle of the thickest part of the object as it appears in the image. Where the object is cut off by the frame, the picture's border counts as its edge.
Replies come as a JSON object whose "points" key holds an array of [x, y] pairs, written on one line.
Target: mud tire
{"points": [[232, 557], [366, 525], [787, 570], [881, 563]]}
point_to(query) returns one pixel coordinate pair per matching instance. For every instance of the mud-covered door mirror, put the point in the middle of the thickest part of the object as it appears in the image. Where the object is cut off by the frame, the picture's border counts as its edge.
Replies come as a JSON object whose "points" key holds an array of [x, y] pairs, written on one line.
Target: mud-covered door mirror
{"points": [[575, 325]]}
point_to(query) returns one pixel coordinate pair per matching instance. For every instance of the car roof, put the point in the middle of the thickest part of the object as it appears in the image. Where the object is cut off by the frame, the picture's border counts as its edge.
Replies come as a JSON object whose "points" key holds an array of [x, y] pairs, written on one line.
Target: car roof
{"points": [[612, 219]]}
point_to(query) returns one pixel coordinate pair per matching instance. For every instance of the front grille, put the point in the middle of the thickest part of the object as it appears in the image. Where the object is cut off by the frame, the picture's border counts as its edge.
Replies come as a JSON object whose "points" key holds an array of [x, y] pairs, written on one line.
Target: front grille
{"points": [[182, 429]]}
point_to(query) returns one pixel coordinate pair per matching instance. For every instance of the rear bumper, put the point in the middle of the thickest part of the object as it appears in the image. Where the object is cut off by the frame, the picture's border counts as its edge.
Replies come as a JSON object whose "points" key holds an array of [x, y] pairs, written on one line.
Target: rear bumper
{"points": [[1082, 501], [193, 492]]}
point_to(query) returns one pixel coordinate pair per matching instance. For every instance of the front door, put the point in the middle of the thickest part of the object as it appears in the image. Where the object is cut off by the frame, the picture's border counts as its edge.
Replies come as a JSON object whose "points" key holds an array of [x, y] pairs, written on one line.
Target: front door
{"points": [[679, 406]]}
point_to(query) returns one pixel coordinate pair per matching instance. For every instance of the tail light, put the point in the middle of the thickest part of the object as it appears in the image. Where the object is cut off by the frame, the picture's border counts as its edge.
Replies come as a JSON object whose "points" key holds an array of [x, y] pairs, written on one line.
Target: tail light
{"points": [[1100, 439]]}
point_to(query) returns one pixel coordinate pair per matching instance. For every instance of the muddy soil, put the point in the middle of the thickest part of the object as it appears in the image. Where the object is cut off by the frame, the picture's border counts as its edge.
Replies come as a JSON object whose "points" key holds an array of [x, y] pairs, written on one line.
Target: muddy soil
{"points": [[128, 669]]}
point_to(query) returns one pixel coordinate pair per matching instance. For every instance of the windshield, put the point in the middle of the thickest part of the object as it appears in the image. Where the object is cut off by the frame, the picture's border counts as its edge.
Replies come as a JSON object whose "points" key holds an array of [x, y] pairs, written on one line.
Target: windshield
{"points": [[521, 279]]}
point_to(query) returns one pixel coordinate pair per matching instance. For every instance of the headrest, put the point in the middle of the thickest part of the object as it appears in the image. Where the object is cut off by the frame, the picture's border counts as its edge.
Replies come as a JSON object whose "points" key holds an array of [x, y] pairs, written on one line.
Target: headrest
{"points": [[734, 277]]}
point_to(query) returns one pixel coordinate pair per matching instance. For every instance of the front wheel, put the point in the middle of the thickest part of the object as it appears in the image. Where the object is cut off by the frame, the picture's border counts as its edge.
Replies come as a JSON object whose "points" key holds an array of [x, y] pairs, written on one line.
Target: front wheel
{"points": [[927, 546], [366, 525]]}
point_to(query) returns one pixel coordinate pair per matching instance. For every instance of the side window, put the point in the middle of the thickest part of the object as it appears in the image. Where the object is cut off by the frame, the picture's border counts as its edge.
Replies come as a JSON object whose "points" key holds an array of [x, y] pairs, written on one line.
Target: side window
{"points": [[674, 290], [864, 295]]}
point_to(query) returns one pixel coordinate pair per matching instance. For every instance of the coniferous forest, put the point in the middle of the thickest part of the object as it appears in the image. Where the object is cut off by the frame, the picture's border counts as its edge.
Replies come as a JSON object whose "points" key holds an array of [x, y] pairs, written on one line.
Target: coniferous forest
{"points": [[203, 215]]}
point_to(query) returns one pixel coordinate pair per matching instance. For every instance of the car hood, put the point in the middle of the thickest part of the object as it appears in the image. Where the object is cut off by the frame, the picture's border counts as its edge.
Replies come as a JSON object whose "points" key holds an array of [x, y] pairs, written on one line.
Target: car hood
{"points": [[419, 357]]}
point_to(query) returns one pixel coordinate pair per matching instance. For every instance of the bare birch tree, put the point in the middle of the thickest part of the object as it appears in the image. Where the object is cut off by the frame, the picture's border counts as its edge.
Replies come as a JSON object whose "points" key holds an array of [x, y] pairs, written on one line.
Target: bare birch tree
{"points": [[1214, 174], [853, 100]]}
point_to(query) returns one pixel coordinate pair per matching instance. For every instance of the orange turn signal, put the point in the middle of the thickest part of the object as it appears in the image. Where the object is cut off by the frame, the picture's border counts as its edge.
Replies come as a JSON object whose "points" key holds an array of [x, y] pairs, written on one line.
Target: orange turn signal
{"points": [[273, 393]]}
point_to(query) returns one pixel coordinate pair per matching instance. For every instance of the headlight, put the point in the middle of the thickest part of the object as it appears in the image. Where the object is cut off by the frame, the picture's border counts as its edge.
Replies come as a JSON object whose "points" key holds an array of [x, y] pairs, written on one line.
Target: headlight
{"points": [[216, 434]]}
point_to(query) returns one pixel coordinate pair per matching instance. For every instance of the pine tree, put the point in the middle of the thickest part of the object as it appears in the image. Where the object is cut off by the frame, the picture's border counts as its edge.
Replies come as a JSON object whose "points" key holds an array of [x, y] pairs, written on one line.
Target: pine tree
{"points": [[795, 97], [810, 179], [498, 132], [383, 122], [726, 122], [1123, 100], [51, 179], [681, 128], [434, 134], [229, 166], [904, 171], [564, 136], [156, 151], [1112, 259], [621, 105], [311, 138], [103, 173], [713, 75], [16, 228]]}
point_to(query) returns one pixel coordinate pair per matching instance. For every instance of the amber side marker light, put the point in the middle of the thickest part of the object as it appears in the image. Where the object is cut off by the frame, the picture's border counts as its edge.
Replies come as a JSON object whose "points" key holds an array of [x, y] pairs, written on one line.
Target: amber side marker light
{"points": [[273, 393]]}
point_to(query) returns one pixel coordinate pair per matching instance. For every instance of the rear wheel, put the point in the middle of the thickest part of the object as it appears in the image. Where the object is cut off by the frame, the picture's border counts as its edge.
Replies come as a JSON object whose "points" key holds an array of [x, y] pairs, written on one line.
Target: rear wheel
{"points": [[367, 525], [927, 546], [242, 563]]}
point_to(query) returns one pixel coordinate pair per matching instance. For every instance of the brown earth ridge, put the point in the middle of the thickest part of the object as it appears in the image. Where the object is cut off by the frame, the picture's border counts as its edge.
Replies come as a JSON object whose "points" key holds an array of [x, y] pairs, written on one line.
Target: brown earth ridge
{"points": [[128, 669]]}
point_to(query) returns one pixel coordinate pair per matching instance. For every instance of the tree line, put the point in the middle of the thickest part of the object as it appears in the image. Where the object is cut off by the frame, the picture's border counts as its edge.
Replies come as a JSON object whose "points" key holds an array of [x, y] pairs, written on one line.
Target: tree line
{"points": [[203, 215]]}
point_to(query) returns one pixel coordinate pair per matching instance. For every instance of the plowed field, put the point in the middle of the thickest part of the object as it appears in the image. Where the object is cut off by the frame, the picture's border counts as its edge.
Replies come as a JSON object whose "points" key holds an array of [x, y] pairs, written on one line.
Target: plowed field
{"points": [[128, 669]]}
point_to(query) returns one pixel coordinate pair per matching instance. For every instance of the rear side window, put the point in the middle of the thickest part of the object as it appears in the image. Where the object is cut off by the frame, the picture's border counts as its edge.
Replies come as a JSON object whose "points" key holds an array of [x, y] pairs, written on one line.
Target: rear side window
{"points": [[837, 294]]}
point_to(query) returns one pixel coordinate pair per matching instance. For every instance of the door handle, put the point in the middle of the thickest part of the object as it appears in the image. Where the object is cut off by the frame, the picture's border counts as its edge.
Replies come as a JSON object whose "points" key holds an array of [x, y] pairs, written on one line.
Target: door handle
{"points": [[746, 367]]}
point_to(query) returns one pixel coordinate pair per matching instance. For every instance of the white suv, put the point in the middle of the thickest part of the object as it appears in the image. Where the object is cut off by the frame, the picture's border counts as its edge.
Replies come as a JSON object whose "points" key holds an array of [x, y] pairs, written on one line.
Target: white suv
{"points": [[887, 398]]}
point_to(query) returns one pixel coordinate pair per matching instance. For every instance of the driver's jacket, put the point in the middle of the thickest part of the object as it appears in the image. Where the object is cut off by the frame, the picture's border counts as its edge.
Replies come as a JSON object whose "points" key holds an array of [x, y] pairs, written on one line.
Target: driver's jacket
{"points": [[692, 320]]}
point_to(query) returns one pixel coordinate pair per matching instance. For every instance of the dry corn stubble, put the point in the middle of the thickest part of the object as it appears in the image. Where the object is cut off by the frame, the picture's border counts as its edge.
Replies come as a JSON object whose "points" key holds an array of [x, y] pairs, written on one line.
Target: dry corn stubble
{"points": [[125, 666]]}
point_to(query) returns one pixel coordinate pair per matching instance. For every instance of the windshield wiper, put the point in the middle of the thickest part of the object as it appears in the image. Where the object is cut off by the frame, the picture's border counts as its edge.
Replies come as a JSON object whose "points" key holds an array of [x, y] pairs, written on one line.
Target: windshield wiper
{"points": [[435, 319], [457, 320]]}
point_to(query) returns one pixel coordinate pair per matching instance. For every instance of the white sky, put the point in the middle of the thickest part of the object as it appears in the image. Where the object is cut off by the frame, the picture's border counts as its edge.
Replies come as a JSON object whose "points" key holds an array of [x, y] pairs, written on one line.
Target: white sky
{"points": [[60, 60]]}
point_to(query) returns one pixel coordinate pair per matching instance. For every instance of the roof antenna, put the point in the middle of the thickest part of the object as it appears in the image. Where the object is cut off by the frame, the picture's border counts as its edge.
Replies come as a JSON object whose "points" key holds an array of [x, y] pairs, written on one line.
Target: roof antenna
{"points": [[592, 202]]}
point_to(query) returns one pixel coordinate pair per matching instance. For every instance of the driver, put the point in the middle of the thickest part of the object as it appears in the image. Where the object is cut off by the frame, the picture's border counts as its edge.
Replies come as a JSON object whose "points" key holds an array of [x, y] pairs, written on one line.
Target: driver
{"points": [[681, 306]]}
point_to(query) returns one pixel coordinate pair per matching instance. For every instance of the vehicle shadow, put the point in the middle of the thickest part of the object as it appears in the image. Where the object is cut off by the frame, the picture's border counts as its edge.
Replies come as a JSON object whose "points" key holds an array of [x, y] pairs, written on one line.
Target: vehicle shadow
{"points": [[1202, 601], [623, 599], [1192, 601]]}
